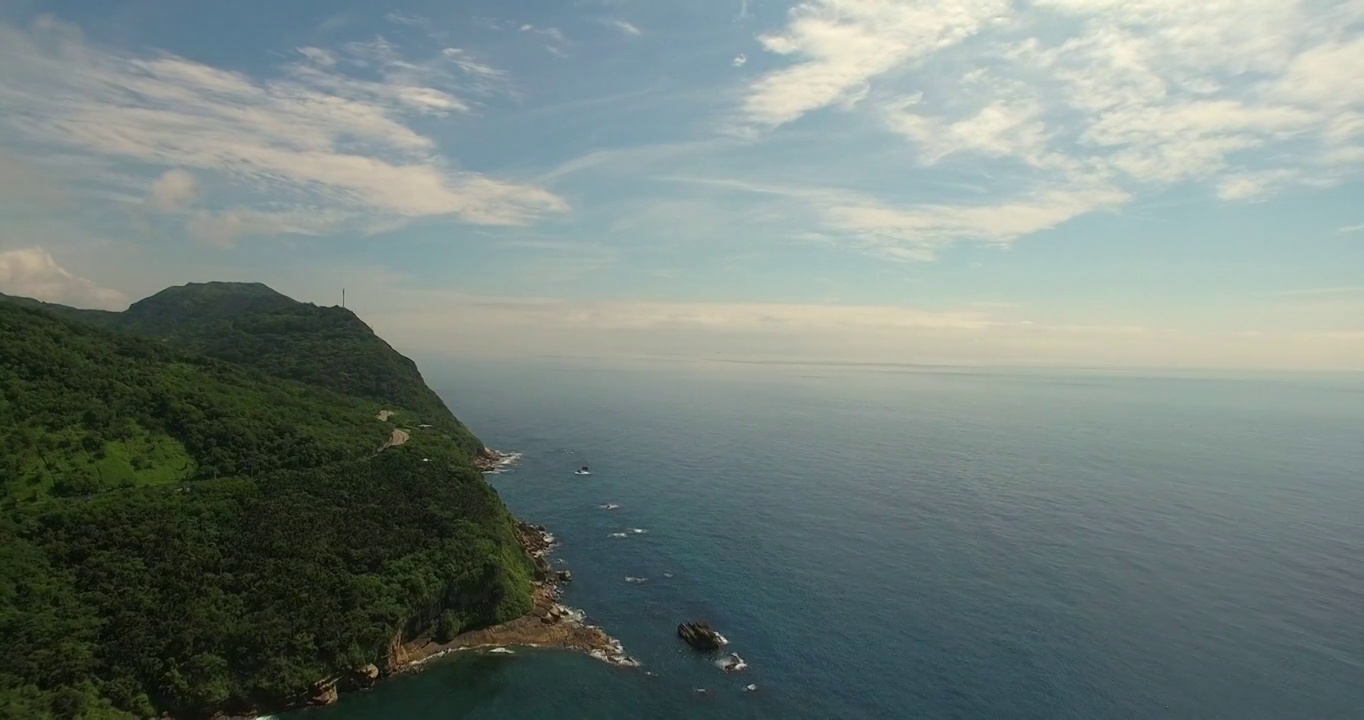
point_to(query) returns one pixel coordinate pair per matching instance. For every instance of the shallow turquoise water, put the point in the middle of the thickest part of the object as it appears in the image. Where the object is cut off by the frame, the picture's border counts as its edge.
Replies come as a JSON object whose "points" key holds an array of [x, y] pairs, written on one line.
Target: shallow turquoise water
{"points": [[927, 544]]}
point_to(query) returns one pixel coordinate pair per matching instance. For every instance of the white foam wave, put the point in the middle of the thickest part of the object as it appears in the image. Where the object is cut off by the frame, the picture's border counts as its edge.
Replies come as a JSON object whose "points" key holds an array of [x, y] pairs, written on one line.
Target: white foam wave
{"points": [[636, 579], [502, 461], [733, 663]]}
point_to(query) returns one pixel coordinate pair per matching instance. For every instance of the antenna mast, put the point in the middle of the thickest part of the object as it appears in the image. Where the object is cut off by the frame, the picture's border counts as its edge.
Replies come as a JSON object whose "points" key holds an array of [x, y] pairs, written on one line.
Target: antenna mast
{"points": [[343, 297]]}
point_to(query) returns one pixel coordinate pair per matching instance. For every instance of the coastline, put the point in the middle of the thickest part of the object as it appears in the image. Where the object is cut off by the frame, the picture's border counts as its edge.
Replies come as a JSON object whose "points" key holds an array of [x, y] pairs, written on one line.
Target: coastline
{"points": [[549, 625]]}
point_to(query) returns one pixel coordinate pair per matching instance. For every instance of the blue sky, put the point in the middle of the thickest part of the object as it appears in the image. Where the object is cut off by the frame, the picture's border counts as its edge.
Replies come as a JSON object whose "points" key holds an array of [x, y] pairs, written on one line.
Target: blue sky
{"points": [[1054, 182]]}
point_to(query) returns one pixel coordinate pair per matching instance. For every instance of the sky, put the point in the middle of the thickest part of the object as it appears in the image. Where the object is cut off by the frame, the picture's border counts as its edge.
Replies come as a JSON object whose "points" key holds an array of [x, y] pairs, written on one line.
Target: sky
{"points": [[1096, 183]]}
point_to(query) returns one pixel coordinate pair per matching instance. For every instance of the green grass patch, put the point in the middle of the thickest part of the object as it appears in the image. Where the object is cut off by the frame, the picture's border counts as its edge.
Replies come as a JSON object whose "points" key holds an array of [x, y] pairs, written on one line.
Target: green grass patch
{"points": [[150, 459], [69, 463]]}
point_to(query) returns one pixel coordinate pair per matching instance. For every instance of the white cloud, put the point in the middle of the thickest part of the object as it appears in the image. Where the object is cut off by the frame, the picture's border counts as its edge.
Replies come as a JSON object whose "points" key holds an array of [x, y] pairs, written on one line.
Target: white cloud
{"points": [[740, 60], [919, 232], [1244, 97], [1254, 185], [324, 58], [1351, 228], [843, 44], [33, 272], [627, 28], [333, 133], [401, 18], [551, 32], [174, 190]]}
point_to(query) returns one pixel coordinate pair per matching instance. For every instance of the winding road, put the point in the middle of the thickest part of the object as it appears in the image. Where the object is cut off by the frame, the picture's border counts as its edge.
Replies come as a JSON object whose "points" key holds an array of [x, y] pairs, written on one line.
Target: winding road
{"points": [[397, 438]]}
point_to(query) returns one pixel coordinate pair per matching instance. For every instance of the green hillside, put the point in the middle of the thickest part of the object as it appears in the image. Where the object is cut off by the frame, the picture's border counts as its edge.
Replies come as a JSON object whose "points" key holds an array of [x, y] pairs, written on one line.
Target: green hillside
{"points": [[186, 535], [250, 324]]}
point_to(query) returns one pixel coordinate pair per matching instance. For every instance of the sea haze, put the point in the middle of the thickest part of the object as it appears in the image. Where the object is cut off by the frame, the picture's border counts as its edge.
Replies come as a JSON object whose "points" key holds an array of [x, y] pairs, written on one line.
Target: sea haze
{"points": [[881, 542]]}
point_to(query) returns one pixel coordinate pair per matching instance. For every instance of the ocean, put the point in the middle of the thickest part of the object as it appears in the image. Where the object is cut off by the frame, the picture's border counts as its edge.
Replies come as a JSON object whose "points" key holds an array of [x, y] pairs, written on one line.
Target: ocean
{"points": [[883, 542]]}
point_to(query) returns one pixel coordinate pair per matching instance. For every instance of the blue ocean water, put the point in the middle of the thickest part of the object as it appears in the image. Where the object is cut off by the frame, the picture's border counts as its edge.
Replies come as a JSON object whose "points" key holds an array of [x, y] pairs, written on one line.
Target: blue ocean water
{"points": [[919, 543]]}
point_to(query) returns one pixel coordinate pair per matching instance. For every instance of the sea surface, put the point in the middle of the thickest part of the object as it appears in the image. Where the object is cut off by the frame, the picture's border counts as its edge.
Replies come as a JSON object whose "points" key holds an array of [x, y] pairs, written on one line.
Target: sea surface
{"points": [[881, 542]]}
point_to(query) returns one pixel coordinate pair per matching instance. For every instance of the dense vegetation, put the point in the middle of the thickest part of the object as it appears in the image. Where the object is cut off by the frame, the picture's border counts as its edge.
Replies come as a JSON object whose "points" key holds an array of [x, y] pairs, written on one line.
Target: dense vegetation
{"points": [[252, 325], [185, 535]]}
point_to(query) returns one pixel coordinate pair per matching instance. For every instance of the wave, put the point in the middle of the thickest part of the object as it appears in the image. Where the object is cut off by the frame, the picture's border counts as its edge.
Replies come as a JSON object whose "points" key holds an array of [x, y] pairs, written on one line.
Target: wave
{"points": [[499, 461], [733, 663]]}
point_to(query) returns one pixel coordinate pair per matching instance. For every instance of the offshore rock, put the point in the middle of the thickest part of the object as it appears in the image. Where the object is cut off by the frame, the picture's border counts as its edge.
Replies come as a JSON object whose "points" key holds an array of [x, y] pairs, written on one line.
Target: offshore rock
{"points": [[700, 636]]}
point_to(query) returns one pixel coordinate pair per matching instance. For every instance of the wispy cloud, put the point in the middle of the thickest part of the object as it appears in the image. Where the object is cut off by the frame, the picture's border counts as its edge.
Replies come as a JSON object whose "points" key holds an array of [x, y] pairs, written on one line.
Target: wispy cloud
{"points": [[1093, 101], [330, 135], [839, 46], [920, 232], [557, 42], [739, 60], [402, 18], [1351, 229], [626, 27]]}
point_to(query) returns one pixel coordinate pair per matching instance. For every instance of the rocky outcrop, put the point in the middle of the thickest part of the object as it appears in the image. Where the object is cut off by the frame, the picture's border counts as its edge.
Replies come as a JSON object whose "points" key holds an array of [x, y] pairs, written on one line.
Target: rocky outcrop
{"points": [[537, 542], [323, 692], [565, 576], [365, 676], [700, 636], [396, 657], [491, 461]]}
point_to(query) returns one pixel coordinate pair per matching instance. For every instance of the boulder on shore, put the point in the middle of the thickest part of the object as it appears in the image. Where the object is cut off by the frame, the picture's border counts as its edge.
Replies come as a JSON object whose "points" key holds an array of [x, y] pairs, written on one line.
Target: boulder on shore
{"points": [[366, 675], [700, 636], [565, 576], [323, 692]]}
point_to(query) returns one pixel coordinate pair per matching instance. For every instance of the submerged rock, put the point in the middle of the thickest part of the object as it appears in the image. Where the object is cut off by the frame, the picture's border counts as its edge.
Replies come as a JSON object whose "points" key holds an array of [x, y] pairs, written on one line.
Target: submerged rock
{"points": [[700, 636], [733, 663]]}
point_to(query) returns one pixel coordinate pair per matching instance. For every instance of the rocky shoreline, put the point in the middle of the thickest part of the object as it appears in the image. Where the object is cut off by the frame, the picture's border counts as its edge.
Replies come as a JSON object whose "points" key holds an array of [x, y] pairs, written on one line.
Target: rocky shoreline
{"points": [[550, 624], [490, 462]]}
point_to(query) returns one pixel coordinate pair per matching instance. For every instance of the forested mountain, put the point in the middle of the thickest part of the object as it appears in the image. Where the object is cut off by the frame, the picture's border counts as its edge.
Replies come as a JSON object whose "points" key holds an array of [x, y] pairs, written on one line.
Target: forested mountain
{"points": [[183, 534], [251, 324]]}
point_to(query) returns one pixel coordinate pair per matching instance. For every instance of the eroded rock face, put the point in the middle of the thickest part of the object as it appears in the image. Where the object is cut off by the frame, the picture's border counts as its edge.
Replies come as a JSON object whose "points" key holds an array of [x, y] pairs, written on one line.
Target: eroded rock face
{"points": [[396, 657], [324, 692], [700, 636], [366, 675]]}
